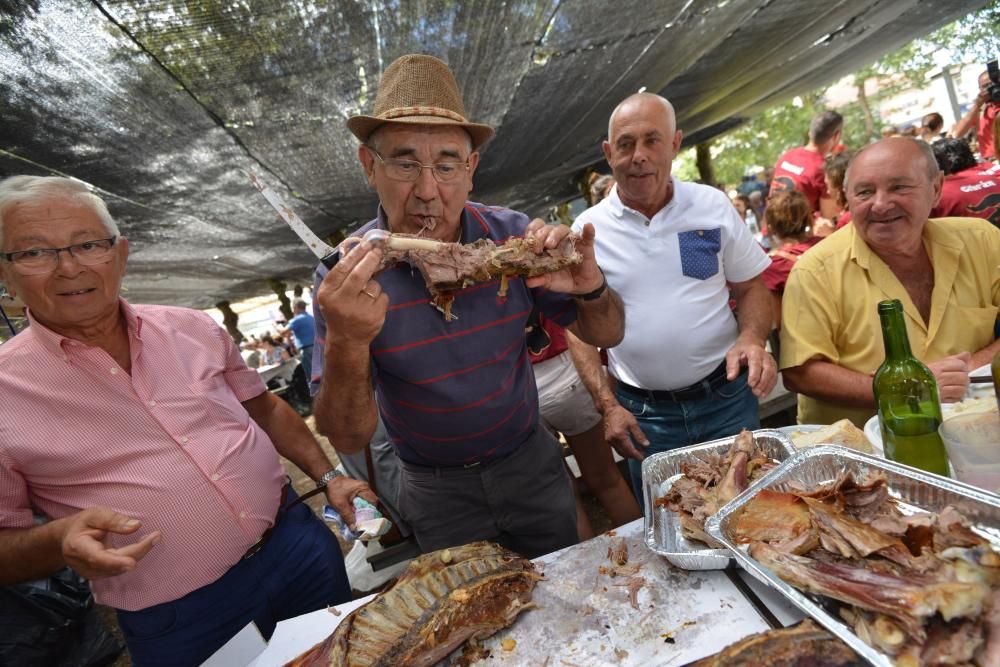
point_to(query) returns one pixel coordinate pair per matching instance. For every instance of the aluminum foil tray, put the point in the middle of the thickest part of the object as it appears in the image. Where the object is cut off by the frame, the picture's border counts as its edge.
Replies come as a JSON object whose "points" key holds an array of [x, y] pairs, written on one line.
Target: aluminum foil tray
{"points": [[662, 528], [914, 490]]}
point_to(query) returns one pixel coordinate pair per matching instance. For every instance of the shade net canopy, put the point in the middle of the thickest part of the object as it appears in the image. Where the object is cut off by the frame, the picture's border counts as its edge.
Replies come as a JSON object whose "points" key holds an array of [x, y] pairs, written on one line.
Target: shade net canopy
{"points": [[163, 105]]}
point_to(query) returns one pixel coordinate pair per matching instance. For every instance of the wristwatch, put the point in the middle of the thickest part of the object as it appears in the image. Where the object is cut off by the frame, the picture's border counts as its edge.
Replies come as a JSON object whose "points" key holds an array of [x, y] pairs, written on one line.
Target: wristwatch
{"points": [[328, 477]]}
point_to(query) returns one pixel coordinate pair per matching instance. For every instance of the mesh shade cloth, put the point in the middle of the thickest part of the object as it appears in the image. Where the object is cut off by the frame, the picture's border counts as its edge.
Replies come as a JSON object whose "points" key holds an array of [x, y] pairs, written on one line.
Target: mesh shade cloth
{"points": [[161, 104]]}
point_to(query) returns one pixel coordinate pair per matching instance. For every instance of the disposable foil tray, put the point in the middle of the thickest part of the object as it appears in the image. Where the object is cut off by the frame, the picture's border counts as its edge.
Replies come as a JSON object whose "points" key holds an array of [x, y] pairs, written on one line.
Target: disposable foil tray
{"points": [[914, 491], [662, 526]]}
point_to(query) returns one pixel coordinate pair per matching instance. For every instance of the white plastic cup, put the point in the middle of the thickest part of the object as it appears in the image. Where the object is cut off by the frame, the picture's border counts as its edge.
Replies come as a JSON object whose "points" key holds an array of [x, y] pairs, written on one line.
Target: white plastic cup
{"points": [[973, 444]]}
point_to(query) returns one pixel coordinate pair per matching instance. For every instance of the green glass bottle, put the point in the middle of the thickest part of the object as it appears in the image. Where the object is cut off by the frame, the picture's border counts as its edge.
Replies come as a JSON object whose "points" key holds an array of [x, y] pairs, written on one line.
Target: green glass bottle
{"points": [[906, 393]]}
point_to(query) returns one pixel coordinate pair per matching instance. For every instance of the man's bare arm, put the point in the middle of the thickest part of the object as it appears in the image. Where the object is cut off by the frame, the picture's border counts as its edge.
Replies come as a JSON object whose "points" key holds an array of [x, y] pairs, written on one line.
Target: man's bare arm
{"points": [[290, 435], [971, 118], [754, 316], [354, 308], [27, 554], [600, 322], [826, 381], [985, 355], [587, 360]]}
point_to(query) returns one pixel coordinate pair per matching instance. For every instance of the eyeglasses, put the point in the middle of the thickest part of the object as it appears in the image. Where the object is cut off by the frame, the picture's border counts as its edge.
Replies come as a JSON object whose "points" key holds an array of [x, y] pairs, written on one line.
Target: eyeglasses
{"points": [[409, 170], [37, 261]]}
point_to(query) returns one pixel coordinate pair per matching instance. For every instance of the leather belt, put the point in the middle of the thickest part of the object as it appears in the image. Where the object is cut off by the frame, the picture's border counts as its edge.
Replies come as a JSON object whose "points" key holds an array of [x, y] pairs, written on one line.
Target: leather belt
{"points": [[266, 535], [701, 389]]}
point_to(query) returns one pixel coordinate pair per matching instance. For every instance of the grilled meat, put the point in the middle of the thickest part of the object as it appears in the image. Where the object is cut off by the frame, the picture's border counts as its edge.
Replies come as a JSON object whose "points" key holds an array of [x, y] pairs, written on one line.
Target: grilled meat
{"points": [[709, 484], [802, 645], [454, 266], [435, 605]]}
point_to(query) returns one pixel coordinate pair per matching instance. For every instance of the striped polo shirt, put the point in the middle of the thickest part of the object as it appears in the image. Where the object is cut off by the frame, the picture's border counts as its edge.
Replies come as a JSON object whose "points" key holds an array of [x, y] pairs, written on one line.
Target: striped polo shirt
{"points": [[458, 392]]}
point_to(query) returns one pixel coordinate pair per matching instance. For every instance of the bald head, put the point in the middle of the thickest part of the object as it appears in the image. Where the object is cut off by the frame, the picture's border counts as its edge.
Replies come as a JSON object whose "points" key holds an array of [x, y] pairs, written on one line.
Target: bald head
{"points": [[904, 148], [648, 102]]}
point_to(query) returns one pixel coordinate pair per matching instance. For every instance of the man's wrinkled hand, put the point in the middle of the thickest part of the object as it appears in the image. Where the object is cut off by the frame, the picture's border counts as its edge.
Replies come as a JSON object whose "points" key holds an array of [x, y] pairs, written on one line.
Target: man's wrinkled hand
{"points": [[621, 431], [952, 375], [580, 279], [351, 301], [84, 548], [762, 370], [341, 492]]}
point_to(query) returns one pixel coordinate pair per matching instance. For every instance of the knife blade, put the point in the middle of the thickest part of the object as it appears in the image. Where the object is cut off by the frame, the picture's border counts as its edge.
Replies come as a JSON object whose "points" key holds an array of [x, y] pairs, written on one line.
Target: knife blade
{"points": [[326, 253]]}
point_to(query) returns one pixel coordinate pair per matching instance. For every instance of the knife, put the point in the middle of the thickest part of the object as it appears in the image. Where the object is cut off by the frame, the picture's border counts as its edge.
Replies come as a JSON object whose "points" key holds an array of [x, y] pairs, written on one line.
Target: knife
{"points": [[326, 253]]}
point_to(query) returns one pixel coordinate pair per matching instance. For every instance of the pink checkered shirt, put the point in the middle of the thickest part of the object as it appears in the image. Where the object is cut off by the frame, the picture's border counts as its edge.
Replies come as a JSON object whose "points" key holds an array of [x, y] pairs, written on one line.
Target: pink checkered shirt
{"points": [[170, 445]]}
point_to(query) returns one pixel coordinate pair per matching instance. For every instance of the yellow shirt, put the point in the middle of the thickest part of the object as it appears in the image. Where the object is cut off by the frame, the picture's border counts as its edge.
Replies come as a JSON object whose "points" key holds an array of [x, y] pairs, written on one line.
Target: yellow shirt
{"points": [[830, 306]]}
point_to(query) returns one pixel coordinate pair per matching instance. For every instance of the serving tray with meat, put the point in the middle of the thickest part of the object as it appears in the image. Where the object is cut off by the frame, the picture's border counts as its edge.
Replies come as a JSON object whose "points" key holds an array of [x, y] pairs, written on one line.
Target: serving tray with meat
{"points": [[683, 487], [441, 600], [901, 565]]}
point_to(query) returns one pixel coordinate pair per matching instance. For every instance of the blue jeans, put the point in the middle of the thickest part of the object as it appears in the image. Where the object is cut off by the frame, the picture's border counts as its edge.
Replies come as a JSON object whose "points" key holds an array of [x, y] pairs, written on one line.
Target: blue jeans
{"points": [[671, 424], [299, 569]]}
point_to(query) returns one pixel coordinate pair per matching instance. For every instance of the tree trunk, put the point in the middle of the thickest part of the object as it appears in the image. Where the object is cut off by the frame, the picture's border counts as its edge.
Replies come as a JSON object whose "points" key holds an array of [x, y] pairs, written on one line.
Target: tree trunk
{"points": [[867, 110], [230, 319], [703, 158], [284, 305]]}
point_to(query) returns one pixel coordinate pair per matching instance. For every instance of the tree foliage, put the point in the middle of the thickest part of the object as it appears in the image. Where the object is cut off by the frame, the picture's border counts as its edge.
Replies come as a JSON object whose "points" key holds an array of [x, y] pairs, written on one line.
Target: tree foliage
{"points": [[758, 142]]}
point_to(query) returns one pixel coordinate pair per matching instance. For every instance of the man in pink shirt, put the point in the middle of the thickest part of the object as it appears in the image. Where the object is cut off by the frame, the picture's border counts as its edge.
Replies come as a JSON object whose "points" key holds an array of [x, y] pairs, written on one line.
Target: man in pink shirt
{"points": [[152, 449], [801, 168]]}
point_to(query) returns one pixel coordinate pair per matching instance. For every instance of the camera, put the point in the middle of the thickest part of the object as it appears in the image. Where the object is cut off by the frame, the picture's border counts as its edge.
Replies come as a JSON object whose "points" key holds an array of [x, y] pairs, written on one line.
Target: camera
{"points": [[994, 86]]}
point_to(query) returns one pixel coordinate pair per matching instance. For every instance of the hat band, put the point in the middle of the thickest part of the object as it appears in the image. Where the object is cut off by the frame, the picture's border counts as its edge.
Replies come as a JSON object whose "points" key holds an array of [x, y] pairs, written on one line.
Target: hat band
{"points": [[402, 112]]}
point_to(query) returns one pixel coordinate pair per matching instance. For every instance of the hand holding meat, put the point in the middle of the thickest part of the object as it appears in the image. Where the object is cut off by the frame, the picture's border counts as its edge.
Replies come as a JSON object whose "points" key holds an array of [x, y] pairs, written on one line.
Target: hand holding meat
{"points": [[84, 549], [580, 278], [352, 303]]}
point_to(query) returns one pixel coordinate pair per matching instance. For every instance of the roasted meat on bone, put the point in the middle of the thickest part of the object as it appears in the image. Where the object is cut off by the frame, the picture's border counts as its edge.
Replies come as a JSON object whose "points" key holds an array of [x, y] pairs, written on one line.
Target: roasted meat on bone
{"points": [[442, 599], [447, 267]]}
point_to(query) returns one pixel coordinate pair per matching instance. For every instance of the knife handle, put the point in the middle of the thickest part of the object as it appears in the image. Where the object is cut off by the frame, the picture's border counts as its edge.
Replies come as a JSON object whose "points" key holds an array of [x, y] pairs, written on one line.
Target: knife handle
{"points": [[331, 260]]}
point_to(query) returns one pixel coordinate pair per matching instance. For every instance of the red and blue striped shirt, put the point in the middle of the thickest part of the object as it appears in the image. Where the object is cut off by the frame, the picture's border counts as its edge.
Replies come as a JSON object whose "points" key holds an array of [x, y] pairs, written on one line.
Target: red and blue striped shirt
{"points": [[458, 392]]}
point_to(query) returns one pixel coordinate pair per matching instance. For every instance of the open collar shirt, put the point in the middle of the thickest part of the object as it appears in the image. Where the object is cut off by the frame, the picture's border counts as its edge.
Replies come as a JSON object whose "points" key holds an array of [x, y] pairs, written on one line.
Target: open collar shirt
{"points": [[830, 305], [169, 444]]}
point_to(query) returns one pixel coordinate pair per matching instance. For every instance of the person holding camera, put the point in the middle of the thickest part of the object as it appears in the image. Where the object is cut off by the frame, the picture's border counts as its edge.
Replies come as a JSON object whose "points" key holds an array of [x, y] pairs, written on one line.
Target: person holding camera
{"points": [[983, 112]]}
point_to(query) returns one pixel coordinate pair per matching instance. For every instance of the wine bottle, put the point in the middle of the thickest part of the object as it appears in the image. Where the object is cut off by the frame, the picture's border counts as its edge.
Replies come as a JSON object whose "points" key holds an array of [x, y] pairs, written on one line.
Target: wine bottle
{"points": [[906, 393]]}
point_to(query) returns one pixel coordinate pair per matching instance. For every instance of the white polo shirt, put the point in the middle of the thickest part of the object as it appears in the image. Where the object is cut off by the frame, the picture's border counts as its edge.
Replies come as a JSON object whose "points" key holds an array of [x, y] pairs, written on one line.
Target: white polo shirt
{"points": [[671, 272]]}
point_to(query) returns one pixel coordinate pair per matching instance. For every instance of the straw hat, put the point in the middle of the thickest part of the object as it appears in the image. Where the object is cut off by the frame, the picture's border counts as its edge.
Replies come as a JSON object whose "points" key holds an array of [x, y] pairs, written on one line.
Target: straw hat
{"points": [[418, 90]]}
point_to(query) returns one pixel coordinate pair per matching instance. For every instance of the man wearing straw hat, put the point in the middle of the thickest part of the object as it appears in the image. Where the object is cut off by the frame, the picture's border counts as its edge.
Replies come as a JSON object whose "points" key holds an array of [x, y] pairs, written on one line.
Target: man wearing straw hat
{"points": [[457, 397]]}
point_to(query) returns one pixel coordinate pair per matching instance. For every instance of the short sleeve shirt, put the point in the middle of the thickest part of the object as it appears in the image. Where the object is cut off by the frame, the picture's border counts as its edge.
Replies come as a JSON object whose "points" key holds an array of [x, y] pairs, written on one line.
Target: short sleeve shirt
{"points": [[830, 306], [461, 391], [801, 169], [671, 272]]}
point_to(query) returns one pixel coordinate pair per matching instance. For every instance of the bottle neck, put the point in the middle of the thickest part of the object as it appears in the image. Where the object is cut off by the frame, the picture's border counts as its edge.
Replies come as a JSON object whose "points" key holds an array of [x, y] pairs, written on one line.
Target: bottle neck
{"points": [[897, 343]]}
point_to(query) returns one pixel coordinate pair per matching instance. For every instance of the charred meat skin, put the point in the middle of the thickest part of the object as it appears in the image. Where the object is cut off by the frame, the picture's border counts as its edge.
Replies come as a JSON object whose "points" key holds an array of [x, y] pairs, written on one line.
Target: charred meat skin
{"points": [[432, 609], [802, 645]]}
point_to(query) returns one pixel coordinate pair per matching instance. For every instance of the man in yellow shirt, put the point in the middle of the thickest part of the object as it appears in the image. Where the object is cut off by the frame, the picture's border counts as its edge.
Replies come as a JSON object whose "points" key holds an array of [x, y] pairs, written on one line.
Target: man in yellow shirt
{"points": [[944, 271]]}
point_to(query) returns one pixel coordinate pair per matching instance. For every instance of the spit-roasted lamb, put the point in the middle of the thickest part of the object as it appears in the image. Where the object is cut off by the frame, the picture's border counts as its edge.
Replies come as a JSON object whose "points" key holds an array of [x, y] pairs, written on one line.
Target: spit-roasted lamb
{"points": [[441, 600], [447, 267]]}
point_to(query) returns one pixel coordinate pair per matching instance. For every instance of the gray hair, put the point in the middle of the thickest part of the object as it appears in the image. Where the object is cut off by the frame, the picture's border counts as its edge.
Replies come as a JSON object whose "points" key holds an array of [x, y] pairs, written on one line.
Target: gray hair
{"points": [[933, 171], [36, 189]]}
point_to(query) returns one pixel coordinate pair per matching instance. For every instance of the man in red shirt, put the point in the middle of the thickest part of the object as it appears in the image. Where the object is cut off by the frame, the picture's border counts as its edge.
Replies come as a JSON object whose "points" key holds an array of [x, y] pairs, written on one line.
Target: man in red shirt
{"points": [[801, 168], [983, 123], [971, 189]]}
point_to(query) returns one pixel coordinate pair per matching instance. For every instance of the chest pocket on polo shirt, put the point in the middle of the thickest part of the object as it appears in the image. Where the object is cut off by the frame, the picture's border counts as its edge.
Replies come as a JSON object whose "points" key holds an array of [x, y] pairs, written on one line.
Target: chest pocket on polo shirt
{"points": [[700, 252]]}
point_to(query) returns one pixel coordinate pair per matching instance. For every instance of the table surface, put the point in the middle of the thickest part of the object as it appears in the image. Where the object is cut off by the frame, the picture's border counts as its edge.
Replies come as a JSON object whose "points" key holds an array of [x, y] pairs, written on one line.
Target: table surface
{"points": [[584, 617]]}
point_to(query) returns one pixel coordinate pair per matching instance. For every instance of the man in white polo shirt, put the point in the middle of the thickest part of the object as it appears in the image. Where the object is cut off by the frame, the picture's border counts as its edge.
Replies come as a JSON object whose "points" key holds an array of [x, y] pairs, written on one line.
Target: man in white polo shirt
{"points": [[689, 369]]}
